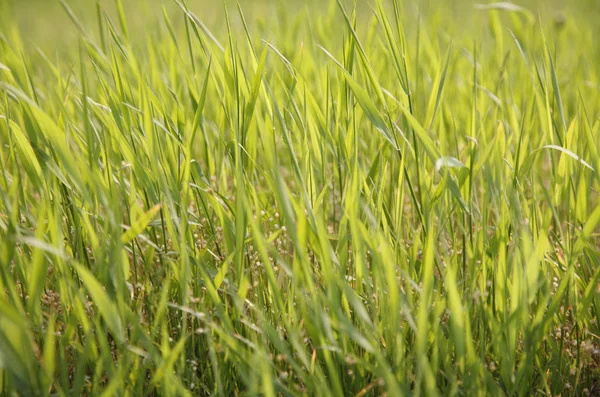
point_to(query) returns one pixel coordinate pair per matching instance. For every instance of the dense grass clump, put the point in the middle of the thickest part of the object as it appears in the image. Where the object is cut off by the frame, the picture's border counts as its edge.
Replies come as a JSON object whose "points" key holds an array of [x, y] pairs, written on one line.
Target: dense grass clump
{"points": [[299, 199]]}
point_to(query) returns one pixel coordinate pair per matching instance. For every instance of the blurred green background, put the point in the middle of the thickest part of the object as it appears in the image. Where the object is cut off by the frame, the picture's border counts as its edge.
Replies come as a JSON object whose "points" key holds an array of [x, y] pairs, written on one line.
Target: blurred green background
{"points": [[46, 24]]}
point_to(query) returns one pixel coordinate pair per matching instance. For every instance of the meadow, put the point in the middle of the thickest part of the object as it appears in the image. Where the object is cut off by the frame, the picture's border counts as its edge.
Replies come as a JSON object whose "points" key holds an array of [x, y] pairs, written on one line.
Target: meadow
{"points": [[278, 198]]}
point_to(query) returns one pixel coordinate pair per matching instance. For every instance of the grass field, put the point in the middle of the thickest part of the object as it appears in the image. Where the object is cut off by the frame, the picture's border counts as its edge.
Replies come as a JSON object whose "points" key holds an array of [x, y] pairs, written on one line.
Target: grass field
{"points": [[299, 198]]}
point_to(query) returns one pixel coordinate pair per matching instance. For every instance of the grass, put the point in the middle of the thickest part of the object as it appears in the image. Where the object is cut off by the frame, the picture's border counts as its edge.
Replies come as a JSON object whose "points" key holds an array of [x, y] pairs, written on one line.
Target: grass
{"points": [[318, 199]]}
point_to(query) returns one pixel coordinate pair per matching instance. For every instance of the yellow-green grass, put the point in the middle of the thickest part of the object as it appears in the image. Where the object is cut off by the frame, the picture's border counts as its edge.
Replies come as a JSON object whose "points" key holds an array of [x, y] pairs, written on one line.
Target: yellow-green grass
{"points": [[299, 198]]}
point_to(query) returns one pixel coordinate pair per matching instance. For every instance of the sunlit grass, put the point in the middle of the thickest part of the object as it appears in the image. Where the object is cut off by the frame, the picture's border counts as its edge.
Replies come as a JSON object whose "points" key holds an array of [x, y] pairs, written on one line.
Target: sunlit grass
{"points": [[309, 199]]}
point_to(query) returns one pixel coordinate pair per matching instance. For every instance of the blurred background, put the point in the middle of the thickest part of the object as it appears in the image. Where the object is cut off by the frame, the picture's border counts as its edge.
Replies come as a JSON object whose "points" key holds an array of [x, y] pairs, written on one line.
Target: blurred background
{"points": [[47, 24]]}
